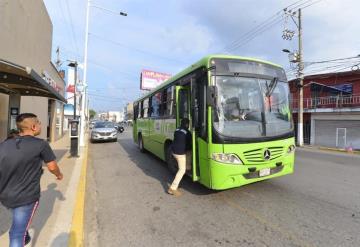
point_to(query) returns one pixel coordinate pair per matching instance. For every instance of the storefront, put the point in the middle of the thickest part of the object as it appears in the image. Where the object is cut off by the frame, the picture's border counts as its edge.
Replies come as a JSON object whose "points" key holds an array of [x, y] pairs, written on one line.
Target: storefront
{"points": [[29, 82]]}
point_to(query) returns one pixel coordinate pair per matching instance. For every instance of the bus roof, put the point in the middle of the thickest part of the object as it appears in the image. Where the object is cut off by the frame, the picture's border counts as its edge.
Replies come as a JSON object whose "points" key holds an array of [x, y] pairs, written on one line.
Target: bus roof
{"points": [[204, 62]]}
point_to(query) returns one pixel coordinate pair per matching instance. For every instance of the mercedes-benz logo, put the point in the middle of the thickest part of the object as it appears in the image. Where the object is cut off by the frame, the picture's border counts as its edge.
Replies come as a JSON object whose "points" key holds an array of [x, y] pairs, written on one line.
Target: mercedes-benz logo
{"points": [[267, 154]]}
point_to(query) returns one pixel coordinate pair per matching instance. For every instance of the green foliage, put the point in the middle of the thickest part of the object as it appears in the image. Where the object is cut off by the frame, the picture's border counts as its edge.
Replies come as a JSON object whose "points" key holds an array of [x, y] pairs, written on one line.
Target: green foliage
{"points": [[92, 113]]}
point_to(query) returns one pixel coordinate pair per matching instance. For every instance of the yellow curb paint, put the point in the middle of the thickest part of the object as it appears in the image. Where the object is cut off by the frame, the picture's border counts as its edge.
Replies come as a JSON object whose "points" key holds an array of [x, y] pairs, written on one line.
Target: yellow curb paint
{"points": [[76, 238]]}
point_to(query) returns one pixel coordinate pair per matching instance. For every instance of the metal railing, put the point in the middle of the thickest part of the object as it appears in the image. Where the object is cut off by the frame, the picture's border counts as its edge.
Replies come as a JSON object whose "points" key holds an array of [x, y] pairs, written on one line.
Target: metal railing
{"points": [[328, 102]]}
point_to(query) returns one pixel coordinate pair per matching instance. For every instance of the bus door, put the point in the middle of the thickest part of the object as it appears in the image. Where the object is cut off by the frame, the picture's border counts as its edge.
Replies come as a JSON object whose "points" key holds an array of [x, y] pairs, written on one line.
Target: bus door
{"points": [[183, 110], [182, 104]]}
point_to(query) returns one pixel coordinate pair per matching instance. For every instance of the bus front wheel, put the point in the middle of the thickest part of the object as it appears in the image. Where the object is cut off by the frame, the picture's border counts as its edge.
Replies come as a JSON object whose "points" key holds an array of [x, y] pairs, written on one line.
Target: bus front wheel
{"points": [[170, 160], [141, 144]]}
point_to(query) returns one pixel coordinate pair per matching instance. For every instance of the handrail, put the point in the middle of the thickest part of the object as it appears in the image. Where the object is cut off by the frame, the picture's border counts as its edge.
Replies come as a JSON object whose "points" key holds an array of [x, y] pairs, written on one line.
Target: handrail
{"points": [[328, 102]]}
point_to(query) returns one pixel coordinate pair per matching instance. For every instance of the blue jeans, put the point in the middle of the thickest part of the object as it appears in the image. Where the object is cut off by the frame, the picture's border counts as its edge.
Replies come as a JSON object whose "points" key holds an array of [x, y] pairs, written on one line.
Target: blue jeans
{"points": [[22, 217]]}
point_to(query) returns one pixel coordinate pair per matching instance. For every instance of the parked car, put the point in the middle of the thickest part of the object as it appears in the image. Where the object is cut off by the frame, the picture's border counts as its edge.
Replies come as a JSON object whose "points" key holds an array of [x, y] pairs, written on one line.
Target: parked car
{"points": [[103, 131], [92, 123]]}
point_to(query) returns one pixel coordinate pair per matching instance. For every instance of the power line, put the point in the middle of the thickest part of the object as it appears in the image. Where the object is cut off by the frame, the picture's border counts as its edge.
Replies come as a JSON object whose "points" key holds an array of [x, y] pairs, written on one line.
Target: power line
{"points": [[135, 49], [72, 27], [337, 59], [257, 28], [265, 25], [256, 33], [65, 20], [311, 4]]}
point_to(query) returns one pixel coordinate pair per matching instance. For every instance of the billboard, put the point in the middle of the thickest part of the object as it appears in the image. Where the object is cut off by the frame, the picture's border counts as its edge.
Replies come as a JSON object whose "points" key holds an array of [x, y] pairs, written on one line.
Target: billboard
{"points": [[151, 79]]}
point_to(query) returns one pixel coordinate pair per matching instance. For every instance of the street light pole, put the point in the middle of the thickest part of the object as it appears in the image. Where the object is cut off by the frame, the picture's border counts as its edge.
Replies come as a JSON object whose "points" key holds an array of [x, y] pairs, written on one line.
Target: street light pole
{"points": [[84, 93], [300, 137]]}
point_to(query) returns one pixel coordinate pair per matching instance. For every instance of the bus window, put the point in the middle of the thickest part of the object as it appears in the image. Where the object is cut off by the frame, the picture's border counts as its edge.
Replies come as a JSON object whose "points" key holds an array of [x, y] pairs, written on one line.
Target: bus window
{"points": [[140, 111], [145, 107], [183, 104], [163, 103], [135, 111], [170, 106], [155, 105]]}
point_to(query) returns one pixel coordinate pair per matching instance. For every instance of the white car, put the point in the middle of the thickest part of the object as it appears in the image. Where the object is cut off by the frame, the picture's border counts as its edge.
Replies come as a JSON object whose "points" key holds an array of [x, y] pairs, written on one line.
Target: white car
{"points": [[103, 131]]}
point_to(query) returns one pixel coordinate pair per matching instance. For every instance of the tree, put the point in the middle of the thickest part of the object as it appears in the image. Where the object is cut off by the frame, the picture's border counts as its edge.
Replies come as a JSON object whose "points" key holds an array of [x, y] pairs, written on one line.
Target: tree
{"points": [[92, 113]]}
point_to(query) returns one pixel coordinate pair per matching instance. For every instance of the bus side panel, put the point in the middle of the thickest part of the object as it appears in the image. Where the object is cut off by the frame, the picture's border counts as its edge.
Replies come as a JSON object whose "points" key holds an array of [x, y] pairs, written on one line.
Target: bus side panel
{"points": [[156, 144], [204, 163], [148, 138], [143, 128], [135, 131], [168, 127]]}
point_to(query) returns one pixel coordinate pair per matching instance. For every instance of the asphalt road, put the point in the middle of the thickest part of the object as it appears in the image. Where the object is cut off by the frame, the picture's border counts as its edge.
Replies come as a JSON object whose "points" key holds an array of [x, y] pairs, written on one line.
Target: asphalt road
{"points": [[126, 204]]}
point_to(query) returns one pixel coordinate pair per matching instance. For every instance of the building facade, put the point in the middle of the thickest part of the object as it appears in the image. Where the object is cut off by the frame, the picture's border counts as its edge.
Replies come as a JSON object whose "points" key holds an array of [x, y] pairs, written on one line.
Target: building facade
{"points": [[331, 109], [29, 81]]}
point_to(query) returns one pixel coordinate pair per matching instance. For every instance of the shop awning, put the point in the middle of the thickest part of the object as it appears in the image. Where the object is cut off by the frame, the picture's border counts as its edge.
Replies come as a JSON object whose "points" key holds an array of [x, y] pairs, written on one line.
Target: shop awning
{"points": [[15, 79], [337, 89]]}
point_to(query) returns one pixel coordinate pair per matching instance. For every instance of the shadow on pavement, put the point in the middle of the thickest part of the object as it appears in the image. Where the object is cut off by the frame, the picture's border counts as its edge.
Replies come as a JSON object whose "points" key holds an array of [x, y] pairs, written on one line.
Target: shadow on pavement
{"points": [[5, 220], [63, 240], [159, 170], [59, 153], [46, 206]]}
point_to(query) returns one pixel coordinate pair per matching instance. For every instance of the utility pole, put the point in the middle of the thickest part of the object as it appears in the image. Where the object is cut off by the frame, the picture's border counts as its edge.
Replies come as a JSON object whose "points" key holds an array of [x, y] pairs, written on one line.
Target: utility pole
{"points": [[300, 137], [297, 57]]}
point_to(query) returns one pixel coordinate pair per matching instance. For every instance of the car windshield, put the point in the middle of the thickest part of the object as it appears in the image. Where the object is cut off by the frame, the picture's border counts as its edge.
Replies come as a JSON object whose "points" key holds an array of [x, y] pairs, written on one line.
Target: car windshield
{"points": [[250, 108], [104, 125]]}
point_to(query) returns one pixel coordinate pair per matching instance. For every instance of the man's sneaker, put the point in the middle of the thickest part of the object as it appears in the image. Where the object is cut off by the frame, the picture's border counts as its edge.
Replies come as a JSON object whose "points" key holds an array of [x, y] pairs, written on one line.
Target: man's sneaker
{"points": [[27, 238], [174, 192]]}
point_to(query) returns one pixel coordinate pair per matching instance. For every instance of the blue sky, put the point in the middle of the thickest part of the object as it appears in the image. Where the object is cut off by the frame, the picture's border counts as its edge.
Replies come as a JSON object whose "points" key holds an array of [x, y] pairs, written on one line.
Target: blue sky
{"points": [[168, 36]]}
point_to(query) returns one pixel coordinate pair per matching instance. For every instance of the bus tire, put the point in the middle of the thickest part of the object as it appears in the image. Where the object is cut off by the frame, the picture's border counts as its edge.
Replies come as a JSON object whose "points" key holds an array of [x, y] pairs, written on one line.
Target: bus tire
{"points": [[141, 143], [171, 161]]}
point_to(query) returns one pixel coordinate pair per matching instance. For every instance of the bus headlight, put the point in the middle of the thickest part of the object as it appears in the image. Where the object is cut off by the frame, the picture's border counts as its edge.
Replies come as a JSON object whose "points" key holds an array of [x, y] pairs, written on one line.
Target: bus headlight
{"points": [[291, 149], [226, 158]]}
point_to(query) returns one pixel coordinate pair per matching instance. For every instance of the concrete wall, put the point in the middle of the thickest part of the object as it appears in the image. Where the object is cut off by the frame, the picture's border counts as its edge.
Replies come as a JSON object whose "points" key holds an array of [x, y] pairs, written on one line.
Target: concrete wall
{"points": [[26, 33], [41, 110], [26, 40]]}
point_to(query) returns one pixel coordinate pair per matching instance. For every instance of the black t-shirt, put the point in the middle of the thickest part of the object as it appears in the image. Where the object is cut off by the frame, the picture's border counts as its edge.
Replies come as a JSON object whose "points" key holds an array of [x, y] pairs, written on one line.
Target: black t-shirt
{"points": [[21, 169], [182, 141]]}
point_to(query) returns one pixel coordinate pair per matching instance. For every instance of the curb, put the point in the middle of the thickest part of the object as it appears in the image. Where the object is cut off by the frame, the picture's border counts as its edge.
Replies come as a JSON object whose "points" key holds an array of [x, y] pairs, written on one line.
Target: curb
{"points": [[339, 150], [77, 225], [331, 149]]}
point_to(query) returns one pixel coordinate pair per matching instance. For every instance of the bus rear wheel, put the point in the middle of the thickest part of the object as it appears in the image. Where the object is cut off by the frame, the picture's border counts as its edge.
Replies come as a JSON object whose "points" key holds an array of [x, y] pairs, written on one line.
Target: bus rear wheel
{"points": [[171, 161], [141, 144]]}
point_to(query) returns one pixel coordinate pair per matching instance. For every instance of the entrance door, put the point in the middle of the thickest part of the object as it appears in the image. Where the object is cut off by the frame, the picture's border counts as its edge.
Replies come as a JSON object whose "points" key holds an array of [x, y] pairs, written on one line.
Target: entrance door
{"points": [[341, 138]]}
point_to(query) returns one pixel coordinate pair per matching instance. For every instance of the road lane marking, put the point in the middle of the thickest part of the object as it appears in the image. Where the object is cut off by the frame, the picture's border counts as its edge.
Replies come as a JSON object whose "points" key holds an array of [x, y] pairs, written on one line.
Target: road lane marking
{"points": [[264, 221]]}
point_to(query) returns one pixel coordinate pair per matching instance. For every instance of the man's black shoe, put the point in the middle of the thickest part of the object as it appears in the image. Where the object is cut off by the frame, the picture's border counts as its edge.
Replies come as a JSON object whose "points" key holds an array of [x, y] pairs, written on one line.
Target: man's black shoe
{"points": [[27, 238]]}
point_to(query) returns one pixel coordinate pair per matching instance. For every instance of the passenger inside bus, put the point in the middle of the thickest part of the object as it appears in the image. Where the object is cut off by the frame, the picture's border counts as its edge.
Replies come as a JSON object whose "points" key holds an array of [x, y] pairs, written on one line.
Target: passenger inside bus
{"points": [[233, 111]]}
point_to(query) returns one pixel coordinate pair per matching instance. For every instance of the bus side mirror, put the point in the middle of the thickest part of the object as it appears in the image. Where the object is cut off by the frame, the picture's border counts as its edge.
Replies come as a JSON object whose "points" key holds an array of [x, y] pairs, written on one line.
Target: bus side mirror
{"points": [[211, 95]]}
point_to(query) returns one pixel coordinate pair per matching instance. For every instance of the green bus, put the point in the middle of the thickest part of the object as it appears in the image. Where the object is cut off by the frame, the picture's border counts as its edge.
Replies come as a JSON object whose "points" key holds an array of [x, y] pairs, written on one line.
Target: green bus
{"points": [[240, 120]]}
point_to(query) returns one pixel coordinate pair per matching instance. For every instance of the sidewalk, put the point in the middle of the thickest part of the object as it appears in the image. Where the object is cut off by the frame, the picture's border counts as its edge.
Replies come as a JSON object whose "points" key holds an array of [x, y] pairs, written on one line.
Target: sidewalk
{"points": [[51, 225]]}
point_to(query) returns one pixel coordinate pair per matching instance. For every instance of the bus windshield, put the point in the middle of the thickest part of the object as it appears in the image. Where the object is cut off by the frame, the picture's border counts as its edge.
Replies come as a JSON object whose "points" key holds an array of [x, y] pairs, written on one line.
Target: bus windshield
{"points": [[249, 108]]}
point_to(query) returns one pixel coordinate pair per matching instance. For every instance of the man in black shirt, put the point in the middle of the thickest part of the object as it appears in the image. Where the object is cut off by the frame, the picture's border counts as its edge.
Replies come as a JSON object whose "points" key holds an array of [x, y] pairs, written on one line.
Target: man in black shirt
{"points": [[181, 148], [21, 160]]}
